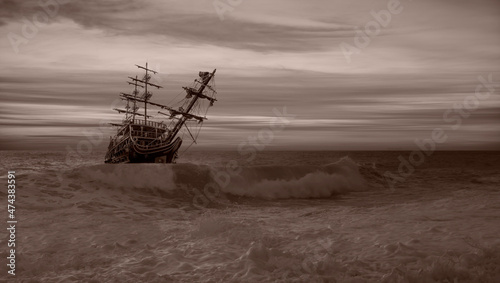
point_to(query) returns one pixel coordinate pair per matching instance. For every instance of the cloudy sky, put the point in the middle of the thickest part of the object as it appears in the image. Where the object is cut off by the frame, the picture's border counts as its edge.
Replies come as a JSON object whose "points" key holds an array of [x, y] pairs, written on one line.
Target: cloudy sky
{"points": [[356, 75]]}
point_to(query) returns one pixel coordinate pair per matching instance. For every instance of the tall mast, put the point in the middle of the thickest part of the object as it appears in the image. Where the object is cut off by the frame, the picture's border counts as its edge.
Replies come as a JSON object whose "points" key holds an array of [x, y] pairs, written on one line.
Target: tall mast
{"points": [[128, 97], [146, 79], [146, 82], [184, 118], [135, 84], [135, 102]]}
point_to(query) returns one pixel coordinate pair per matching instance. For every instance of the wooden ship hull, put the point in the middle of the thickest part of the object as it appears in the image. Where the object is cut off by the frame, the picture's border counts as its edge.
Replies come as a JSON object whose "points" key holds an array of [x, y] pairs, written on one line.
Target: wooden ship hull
{"points": [[140, 144], [142, 140]]}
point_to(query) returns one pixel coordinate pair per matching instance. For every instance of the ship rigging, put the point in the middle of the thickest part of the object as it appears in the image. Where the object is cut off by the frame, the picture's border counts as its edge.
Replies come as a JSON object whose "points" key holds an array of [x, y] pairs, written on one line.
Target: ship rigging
{"points": [[156, 138]]}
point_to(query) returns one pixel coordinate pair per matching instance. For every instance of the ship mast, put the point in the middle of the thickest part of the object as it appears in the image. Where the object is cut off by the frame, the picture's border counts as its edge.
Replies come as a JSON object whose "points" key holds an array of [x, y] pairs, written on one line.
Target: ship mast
{"points": [[185, 114], [146, 83], [197, 94], [135, 84]]}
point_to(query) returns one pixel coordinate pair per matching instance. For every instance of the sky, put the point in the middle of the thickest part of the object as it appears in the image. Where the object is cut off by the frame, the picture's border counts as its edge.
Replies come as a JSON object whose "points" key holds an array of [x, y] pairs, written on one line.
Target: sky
{"points": [[352, 75]]}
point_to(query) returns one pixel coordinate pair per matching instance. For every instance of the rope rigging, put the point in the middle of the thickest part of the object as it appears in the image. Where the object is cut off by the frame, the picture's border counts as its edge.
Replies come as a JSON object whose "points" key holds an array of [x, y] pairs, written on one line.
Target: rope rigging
{"points": [[152, 137]]}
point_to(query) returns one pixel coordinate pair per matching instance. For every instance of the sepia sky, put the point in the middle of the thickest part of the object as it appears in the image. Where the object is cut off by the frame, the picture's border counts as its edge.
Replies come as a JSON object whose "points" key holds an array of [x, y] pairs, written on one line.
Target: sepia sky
{"points": [[64, 63]]}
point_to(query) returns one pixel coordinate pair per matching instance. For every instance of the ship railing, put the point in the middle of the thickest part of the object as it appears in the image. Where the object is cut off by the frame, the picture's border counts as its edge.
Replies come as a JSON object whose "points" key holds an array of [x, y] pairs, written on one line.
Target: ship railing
{"points": [[149, 123], [145, 134]]}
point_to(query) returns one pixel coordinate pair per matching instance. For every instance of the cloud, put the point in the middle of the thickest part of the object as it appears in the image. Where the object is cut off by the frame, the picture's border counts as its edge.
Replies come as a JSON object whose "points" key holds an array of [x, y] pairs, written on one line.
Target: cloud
{"points": [[139, 18], [268, 54]]}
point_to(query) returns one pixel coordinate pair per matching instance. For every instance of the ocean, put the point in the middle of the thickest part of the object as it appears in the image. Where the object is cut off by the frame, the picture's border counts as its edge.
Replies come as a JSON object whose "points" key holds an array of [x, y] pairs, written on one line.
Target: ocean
{"points": [[283, 216]]}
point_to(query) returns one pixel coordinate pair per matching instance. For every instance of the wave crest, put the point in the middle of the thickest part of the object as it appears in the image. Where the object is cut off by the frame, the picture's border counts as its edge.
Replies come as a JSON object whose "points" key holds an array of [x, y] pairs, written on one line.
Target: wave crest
{"points": [[284, 182], [265, 182]]}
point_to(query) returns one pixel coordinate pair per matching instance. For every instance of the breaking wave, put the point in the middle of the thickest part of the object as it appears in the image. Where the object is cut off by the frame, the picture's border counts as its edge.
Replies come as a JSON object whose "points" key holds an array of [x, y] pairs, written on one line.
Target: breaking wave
{"points": [[264, 182]]}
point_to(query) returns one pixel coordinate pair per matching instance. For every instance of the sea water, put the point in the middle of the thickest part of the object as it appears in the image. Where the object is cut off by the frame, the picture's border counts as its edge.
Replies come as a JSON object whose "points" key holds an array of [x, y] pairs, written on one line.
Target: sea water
{"points": [[272, 217]]}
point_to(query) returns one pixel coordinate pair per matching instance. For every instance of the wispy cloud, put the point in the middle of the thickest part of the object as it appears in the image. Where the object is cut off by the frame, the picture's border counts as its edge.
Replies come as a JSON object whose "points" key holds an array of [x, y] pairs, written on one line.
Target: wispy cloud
{"points": [[134, 18]]}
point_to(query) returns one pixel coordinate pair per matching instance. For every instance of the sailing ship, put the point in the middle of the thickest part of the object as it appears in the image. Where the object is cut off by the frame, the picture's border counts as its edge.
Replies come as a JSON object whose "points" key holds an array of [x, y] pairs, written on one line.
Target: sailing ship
{"points": [[147, 138]]}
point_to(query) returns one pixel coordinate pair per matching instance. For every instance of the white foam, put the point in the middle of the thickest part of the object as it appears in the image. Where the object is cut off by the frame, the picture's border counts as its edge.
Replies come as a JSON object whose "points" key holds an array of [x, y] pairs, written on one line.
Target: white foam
{"points": [[266, 182]]}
